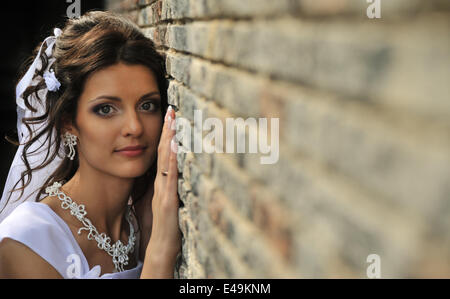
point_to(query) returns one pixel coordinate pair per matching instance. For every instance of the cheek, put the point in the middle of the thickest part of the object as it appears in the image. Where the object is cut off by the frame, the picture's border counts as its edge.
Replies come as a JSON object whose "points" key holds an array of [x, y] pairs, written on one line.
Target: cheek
{"points": [[95, 148], [97, 138], [153, 130]]}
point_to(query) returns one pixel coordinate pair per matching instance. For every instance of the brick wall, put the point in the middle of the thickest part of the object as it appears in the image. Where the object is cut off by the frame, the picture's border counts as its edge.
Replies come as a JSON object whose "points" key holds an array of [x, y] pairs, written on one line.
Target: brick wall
{"points": [[364, 111]]}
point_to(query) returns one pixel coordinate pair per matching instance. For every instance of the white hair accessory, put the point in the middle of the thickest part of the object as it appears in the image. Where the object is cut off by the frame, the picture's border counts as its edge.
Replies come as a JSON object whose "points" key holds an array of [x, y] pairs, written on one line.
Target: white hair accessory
{"points": [[28, 77], [51, 81], [35, 154]]}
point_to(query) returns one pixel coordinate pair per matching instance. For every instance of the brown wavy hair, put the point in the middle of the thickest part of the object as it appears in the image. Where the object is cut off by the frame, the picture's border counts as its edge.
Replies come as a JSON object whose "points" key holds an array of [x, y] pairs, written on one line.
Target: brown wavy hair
{"points": [[94, 41]]}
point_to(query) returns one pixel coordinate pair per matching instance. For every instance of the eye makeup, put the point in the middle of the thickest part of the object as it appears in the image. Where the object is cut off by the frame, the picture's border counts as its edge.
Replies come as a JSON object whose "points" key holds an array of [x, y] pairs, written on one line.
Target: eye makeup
{"points": [[154, 102], [103, 110], [146, 105]]}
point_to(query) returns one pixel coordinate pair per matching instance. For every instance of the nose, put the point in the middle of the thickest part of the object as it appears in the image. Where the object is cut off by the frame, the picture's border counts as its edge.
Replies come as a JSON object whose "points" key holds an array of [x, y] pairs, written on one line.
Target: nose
{"points": [[133, 125]]}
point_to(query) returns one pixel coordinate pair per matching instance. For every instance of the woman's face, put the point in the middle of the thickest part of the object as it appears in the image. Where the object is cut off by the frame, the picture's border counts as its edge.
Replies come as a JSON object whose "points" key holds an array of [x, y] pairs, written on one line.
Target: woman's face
{"points": [[120, 107]]}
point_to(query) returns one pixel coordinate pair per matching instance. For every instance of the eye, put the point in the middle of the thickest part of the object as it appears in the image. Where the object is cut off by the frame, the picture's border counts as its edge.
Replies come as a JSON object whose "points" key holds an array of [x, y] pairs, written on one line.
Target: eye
{"points": [[103, 110], [149, 106]]}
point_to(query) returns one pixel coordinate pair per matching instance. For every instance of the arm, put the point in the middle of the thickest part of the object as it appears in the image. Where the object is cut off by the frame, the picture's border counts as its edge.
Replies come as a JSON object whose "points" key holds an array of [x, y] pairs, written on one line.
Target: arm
{"points": [[158, 263], [165, 240], [19, 261]]}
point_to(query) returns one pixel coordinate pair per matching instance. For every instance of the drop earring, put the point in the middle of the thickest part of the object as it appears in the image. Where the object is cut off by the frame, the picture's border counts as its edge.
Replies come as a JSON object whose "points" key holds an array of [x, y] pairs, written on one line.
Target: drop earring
{"points": [[70, 140]]}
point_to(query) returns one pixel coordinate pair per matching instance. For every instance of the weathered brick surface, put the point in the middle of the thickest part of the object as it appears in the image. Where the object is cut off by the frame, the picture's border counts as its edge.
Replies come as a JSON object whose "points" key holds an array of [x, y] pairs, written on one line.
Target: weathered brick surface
{"points": [[364, 134]]}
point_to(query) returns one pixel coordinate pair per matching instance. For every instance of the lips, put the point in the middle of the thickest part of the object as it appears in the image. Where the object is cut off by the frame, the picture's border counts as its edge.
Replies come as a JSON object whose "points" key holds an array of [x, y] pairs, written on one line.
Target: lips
{"points": [[132, 151], [132, 148]]}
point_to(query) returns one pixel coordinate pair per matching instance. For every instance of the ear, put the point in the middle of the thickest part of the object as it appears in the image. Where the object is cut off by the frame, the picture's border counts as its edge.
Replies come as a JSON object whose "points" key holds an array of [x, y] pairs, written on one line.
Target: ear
{"points": [[68, 126]]}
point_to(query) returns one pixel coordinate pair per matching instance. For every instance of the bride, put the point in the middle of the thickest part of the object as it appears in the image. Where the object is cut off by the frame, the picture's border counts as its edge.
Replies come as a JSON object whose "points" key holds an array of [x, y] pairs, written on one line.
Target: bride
{"points": [[96, 161]]}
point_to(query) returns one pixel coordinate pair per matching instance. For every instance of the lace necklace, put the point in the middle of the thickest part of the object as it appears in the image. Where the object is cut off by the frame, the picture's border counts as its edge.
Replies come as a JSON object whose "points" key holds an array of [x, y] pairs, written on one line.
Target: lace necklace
{"points": [[118, 251]]}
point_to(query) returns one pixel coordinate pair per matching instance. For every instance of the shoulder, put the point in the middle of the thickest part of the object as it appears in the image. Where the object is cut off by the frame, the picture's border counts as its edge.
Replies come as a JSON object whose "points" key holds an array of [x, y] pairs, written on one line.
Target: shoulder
{"points": [[26, 220], [34, 233], [19, 261]]}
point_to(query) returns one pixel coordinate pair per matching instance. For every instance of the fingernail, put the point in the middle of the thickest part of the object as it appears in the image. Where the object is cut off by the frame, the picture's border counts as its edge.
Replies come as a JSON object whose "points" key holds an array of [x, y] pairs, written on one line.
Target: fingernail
{"points": [[168, 113], [174, 146], [173, 124]]}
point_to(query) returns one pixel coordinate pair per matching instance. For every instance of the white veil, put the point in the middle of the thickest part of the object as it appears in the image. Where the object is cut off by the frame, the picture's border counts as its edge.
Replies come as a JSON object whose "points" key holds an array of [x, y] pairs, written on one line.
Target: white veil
{"points": [[36, 158]]}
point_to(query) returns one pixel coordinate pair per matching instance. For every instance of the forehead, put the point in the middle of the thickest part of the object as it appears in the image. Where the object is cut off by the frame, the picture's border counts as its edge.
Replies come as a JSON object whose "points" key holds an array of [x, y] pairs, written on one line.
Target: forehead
{"points": [[121, 80]]}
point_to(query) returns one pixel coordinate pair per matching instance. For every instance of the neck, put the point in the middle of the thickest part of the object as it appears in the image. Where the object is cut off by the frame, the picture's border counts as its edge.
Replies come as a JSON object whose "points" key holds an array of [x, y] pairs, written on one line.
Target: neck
{"points": [[105, 198]]}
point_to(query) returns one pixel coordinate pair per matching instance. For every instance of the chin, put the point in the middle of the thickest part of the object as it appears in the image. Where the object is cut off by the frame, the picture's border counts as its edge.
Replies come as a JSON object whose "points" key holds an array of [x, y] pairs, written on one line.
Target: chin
{"points": [[132, 173], [132, 170]]}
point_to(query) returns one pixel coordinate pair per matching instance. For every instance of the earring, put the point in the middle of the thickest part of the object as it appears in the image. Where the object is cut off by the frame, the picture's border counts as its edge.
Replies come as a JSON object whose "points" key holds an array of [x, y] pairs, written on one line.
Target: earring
{"points": [[70, 140]]}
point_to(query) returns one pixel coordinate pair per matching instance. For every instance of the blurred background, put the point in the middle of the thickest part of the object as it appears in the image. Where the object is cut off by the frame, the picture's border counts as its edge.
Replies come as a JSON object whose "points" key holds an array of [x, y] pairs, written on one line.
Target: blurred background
{"points": [[362, 185]]}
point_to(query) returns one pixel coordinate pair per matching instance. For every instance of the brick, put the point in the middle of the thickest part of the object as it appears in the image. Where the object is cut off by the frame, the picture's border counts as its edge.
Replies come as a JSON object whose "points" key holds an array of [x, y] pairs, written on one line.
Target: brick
{"points": [[188, 103], [178, 67], [161, 34], [404, 167], [433, 261], [268, 261], [191, 264], [233, 181], [328, 205], [173, 93], [203, 186], [234, 90], [184, 187], [238, 92], [266, 8], [362, 64], [221, 258], [121, 5], [389, 9], [180, 9], [127, 5], [150, 15], [272, 218], [145, 2], [174, 9]]}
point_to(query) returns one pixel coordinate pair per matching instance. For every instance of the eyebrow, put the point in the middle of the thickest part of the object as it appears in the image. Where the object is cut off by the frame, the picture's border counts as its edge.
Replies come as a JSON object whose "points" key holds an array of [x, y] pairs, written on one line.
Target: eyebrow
{"points": [[114, 98]]}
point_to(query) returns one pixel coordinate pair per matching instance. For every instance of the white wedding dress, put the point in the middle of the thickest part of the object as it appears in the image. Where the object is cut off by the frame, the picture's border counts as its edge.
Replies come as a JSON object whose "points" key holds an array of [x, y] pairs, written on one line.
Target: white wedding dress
{"points": [[37, 226]]}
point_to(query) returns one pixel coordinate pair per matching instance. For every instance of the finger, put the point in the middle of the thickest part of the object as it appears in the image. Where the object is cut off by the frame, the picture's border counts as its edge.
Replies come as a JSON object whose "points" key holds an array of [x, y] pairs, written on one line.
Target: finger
{"points": [[164, 143], [172, 182]]}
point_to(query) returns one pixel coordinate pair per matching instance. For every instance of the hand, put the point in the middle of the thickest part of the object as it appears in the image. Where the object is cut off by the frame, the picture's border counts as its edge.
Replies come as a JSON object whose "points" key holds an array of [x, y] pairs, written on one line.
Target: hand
{"points": [[165, 240]]}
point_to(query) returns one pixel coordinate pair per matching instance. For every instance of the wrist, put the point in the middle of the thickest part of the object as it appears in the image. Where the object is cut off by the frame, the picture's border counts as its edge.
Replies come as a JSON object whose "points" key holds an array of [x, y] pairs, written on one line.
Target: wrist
{"points": [[157, 264], [161, 254]]}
